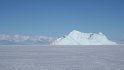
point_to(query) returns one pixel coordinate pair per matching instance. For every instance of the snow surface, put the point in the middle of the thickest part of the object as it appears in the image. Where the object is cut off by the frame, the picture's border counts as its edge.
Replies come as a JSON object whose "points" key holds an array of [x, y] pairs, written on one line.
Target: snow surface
{"points": [[62, 57], [78, 38]]}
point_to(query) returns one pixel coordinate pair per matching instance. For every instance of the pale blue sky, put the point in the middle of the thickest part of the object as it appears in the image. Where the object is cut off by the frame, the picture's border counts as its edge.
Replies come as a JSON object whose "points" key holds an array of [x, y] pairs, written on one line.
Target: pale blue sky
{"points": [[57, 18]]}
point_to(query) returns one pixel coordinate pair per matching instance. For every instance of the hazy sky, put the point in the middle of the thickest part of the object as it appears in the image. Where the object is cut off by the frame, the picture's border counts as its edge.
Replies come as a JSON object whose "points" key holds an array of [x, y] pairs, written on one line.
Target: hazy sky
{"points": [[57, 18]]}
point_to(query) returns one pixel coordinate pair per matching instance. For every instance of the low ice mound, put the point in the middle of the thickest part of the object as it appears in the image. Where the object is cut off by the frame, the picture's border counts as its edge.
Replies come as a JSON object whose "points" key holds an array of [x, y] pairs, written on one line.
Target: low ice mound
{"points": [[78, 38]]}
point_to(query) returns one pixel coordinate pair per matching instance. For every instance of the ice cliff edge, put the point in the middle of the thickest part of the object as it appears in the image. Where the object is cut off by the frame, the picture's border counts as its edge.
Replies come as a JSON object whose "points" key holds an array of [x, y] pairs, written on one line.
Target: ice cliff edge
{"points": [[79, 38]]}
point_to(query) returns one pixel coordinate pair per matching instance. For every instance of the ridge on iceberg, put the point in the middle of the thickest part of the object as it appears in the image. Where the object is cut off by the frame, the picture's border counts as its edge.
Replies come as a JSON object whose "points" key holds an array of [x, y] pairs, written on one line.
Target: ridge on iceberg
{"points": [[79, 38]]}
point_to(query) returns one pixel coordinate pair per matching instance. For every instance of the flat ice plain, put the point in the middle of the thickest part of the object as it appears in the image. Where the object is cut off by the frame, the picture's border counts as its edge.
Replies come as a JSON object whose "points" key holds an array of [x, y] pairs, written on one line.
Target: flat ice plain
{"points": [[62, 57]]}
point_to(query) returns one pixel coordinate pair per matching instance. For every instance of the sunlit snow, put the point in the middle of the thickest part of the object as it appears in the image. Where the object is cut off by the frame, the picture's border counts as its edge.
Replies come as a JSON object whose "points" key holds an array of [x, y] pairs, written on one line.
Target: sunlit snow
{"points": [[79, 38]]}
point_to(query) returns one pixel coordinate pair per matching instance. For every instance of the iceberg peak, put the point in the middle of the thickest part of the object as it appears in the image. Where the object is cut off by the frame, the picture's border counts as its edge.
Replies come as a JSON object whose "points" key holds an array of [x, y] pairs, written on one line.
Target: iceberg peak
{"points": [[101, 33], [79, 38], [75, 32]]}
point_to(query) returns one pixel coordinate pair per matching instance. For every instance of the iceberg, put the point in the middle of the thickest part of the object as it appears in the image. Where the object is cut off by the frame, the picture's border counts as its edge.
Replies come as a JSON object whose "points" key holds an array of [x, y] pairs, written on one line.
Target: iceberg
{"points": [[79, 38]]}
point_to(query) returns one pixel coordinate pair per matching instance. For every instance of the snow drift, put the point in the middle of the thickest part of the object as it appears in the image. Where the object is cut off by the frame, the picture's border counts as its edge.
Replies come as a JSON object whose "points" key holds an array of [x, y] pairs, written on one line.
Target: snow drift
{"points": [[78, 38]]}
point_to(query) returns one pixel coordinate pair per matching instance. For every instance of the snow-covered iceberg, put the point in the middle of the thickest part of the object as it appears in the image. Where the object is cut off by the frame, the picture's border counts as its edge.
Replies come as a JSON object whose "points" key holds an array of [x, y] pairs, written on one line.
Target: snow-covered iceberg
{"points": [[79, 38]]}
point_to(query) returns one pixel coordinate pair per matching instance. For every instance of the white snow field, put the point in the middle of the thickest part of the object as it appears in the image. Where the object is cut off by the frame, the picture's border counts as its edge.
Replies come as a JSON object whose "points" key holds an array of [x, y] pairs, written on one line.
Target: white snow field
{"points": [[79, 38], [62, 57]]}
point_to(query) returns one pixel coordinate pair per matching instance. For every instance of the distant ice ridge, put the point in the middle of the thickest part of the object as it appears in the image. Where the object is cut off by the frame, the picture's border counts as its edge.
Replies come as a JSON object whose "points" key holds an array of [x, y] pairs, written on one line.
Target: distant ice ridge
{"points": [[24, 40], [79, 38]]}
